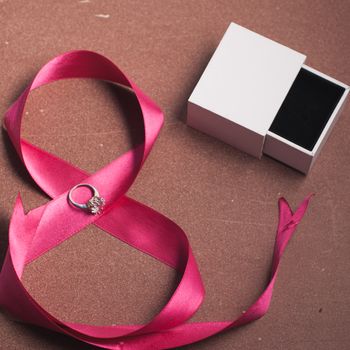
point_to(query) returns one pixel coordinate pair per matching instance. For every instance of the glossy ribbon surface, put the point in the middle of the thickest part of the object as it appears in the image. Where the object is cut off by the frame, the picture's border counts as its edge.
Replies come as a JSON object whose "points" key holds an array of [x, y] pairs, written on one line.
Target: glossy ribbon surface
{"points": [[34, 233]]}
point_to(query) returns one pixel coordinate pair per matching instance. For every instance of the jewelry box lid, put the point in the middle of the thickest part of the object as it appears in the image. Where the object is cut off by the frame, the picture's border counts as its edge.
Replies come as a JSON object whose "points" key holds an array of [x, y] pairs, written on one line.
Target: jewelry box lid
{"points": [[245, 83]]}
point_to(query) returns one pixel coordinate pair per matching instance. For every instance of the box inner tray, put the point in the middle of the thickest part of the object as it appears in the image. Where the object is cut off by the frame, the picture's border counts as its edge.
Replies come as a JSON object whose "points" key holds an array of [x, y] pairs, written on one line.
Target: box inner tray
{"points": [[307, 108]]}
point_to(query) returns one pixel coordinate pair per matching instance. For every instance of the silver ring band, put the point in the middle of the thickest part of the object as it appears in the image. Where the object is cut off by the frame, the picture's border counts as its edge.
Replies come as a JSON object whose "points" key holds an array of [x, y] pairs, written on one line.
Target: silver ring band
{"points": [[94, 205]]}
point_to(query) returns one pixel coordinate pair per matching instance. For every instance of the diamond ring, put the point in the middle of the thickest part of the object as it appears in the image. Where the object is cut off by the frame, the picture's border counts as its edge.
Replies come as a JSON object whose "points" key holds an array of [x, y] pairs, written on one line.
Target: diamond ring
{"points": [[94, 205]]}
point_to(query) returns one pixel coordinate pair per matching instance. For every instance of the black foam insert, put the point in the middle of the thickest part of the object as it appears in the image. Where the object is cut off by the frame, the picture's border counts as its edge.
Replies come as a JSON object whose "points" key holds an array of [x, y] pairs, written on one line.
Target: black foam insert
{"points": [[307, 108]]}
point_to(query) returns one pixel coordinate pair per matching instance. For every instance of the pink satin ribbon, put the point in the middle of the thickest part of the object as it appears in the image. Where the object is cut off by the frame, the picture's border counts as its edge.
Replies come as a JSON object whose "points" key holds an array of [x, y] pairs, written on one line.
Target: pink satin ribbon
{"points": [[34, 233]]}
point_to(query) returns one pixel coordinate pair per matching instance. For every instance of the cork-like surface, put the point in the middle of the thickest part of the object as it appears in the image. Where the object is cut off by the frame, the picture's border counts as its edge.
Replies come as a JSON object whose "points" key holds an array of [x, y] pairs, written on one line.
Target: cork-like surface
{"points": [[225, 200]]}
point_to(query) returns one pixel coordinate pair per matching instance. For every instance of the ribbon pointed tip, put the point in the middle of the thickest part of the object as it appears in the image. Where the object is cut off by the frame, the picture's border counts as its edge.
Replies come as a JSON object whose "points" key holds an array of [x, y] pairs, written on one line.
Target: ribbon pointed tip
{"points": [[19, 208], [283, 204]]}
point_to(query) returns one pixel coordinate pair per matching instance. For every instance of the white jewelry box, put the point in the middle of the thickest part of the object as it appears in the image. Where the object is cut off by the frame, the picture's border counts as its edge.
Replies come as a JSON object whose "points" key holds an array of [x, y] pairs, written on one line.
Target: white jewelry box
{"points": [[258, 96]]}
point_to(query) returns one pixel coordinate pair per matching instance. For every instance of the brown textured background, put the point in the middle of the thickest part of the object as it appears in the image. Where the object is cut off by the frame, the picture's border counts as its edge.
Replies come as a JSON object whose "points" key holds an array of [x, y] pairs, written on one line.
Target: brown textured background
{"points": [[224, 199]]}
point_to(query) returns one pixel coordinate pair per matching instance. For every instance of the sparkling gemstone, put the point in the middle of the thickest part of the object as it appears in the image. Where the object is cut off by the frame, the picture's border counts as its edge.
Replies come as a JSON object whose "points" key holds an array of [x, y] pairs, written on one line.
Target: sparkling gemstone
{"points": [[95, 205]]}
